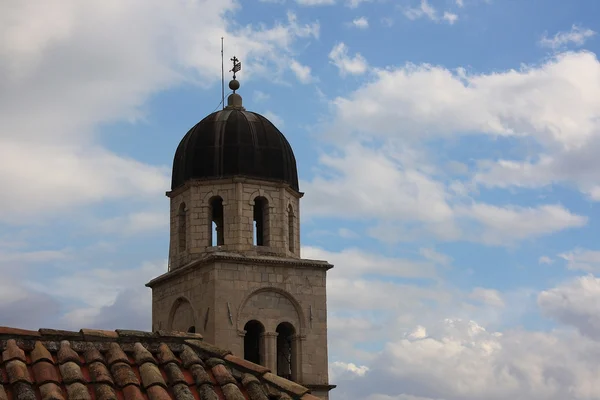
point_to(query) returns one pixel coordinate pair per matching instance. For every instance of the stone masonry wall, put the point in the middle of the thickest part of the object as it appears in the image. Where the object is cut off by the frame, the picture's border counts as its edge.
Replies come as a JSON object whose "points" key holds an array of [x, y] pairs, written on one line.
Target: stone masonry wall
{"points": [[234, 293], [238, 199], [267, 293]]}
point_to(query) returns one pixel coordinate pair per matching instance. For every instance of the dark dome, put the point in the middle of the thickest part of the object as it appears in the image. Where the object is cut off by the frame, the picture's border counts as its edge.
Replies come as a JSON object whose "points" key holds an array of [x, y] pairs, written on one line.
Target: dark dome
{"points": [[234, 142]]}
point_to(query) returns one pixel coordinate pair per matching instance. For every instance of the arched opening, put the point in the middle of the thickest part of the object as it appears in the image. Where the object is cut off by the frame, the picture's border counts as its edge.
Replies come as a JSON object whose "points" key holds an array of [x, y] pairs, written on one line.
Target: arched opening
{"points": [[182, 228], [286, 351], [215, 224], [290, 228], [181, 317], [192, 329], [253, 348], [261, 222]]}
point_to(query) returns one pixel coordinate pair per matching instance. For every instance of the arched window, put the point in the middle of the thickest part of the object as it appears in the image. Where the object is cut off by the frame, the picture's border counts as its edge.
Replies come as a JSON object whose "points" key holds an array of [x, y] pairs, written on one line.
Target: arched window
{"points": [[182, 228], [290, 228], [192, 329], [215, 223], [253, 348], [261, 222], [286, 351]]}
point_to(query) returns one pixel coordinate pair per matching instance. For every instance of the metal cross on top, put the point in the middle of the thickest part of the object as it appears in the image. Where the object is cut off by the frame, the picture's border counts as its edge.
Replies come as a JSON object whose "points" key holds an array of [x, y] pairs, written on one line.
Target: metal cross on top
{"points": [[237, 66]]}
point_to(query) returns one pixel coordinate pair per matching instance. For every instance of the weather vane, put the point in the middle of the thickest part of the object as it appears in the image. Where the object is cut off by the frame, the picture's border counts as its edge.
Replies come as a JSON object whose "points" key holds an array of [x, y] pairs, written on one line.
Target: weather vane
{"points": [[237, 66]]}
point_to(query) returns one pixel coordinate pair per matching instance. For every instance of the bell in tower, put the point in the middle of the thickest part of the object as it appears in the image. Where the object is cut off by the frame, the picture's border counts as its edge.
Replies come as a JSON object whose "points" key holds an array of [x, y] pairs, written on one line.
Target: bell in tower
{"points": [[235, 271]]}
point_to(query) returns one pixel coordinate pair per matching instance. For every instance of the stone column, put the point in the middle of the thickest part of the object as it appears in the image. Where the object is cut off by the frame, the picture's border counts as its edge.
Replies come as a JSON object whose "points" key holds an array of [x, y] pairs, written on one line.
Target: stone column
{"points": [[270, 351], [297, 357]]}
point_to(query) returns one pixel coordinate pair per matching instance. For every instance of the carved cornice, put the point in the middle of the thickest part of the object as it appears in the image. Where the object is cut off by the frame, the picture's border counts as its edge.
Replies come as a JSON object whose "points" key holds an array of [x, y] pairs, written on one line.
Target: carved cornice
{"points": [[241, 259]]}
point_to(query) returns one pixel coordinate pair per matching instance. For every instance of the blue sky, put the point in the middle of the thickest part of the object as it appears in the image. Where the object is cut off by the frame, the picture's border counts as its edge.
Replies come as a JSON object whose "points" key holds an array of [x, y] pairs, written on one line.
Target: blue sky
{"points": [[447, 149]]}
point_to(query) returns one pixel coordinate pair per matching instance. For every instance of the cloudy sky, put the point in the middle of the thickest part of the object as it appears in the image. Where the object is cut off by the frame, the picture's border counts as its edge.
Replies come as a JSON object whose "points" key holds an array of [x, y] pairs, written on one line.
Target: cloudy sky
{"points": [[448, 150]]}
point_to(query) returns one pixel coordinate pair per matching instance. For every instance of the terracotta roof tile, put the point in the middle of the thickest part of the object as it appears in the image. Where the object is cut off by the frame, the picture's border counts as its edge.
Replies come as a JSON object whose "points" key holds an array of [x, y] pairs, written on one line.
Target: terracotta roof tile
{"points": [[174, 374], [132, 392], [165, 355], [40, 353], [182, 392], [92, 355], [78, 391], [99, 373], [200, 375], [189, 357], [130, 365], [67, 354], [13, 352], [94, 334], [141, 355], [247, 366], [115, 354], [51, 391], [44, 372], [232, 392], [17, 372], [253, 387], [151, 375], [23, 391], [124, 375], [104, 391], [71, 372]]}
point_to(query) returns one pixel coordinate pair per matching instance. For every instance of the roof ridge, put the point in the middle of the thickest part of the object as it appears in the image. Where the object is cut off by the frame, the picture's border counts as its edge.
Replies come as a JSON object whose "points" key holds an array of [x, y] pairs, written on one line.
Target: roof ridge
{"points": [[98, 335]]}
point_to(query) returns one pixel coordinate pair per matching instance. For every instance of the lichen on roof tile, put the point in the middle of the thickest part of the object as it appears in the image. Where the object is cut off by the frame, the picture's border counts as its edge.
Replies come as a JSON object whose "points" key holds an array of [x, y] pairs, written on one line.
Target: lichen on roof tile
{"points": [[128, 367], [40, 352], [66, 353], [13, 352], [51, 391]]}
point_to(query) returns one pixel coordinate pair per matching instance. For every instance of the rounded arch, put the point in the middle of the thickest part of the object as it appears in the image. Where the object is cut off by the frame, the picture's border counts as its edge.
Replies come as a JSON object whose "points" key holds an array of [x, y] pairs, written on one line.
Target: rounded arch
{"points": [[243, 319], [261, 193], [216, 221], [208, 197], [182, 315], [253, 341], [290, 207]]}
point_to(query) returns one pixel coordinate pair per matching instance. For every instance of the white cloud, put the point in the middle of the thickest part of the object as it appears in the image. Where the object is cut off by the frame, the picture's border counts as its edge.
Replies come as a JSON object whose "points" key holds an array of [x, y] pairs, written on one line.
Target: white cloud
{"points": [[437, 257], [545, 260], [577, 36], [461, 360], [426, 10], [259, 96], [490, 297], [315, 2], [450, 17], [135, 223], [339, 57], [356, 3], [347, 233], [460, 3], [575, 303], [555, 105], [582, 260], [355, 262], [360, 23], [407, 200], [64, 73], [274, 118], [302, 72]]}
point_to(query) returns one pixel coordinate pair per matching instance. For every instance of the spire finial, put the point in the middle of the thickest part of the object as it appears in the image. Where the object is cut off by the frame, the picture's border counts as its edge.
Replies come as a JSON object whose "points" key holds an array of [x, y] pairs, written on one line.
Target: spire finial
{"points": [[235, 100]]}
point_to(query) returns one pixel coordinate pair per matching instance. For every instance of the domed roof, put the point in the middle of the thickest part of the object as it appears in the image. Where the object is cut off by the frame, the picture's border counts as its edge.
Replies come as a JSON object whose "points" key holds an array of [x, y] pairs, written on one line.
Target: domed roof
{"points": [[234, 142]]}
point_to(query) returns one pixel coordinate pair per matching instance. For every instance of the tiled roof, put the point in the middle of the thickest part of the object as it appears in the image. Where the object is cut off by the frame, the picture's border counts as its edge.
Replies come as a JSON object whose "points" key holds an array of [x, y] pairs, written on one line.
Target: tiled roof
{"points": [[130, 365]]}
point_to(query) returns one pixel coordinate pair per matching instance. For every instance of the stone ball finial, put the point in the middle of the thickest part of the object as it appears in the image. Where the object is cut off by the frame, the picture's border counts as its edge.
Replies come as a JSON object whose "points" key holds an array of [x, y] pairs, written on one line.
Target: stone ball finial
{"points": [[234, 84]]}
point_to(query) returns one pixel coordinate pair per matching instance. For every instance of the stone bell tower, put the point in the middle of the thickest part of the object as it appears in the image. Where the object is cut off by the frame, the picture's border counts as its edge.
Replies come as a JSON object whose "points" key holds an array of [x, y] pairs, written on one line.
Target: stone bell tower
{"points": [[235, 273]]}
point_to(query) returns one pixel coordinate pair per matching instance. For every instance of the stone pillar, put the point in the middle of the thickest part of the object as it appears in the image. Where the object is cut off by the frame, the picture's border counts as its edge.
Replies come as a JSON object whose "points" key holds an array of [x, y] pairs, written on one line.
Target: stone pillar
{"points": [[270, 350], [297, 357]]}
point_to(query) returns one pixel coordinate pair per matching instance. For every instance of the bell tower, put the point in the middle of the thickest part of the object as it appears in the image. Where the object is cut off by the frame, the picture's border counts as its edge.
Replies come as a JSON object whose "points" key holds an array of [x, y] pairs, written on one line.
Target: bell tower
{"points": [[235, 271]]}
